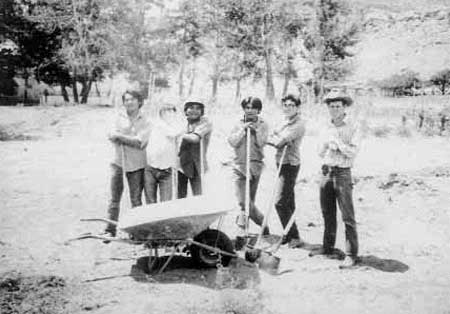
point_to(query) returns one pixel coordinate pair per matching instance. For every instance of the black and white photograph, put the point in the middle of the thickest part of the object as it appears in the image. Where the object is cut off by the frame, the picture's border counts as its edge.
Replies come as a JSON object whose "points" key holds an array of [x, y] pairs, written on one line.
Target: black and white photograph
{"points": [[224, 156]]}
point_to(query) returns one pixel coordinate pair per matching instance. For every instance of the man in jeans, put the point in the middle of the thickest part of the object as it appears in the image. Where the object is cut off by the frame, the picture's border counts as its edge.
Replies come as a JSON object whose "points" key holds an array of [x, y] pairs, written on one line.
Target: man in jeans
{"points": [[289, 134], [162, 155], [338, 148], [258, 129], [128, 137]]}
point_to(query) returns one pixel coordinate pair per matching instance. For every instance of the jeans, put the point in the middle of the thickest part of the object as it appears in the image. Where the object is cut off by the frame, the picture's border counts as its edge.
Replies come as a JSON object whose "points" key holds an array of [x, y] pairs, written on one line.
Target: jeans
{"points": [[285, 198], [158, 178], [239, 180], [336, 185], [136, 185], [196, 184]]}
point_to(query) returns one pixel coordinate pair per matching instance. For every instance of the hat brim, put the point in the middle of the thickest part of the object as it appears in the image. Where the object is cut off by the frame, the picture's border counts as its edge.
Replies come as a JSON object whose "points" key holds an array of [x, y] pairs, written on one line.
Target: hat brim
{"points": [[347, 101]]}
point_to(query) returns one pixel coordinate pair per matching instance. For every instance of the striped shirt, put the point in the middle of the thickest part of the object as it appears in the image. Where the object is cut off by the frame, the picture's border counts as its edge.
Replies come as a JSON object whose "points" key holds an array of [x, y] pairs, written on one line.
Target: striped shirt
{"points": [[135, 158], [290, 133], [238, 140], [343, 144]]}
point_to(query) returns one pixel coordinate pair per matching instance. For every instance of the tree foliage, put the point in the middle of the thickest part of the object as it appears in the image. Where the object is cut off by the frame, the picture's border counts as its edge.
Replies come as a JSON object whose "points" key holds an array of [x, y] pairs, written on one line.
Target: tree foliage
{"points": [[400, 84], [442, 80]]}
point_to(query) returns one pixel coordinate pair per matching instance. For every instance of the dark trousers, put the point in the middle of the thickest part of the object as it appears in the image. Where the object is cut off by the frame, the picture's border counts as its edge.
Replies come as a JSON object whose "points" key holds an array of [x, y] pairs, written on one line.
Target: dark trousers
{"points": [[136, 185], [285, 198], [336, 185], [196, 184], [158, 179], [239, 180]]}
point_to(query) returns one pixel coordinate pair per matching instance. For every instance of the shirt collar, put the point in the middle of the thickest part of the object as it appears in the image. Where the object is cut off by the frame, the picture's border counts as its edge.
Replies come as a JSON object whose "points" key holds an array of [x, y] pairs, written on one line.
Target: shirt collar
{"points": [[293, 119], [123, 113], [344, 120]]}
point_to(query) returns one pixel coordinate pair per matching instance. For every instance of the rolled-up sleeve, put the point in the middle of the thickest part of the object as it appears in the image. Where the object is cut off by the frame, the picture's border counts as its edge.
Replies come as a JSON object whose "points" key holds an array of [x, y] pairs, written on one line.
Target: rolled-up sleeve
{"points": [[236, 135], [290, 133], [351, 148], [203, 128]]}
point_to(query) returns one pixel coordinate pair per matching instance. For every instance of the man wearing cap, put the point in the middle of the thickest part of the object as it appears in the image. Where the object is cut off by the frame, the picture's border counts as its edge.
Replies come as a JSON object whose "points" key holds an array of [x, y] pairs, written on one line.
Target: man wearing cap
{"points": [[193, 149], [129, 138], [338, 148]]}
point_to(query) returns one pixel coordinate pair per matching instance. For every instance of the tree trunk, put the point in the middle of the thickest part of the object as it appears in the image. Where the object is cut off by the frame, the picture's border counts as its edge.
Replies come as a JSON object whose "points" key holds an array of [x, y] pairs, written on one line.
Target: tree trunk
{"points": [[97, 90], [181, 78], [237, 95], [287, 78], [74, 88], [148, 89], [215, 85], [86, 90], [191, 83], [64, 93], [270, 91]]}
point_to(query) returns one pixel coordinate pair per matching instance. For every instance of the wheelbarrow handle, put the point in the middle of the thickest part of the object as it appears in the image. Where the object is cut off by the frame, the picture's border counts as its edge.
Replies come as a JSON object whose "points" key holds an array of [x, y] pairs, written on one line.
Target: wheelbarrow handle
{"points": [[108, 221]]}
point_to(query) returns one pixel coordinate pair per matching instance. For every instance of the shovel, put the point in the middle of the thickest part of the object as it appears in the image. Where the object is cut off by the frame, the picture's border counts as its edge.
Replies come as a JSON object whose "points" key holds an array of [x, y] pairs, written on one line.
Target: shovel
{"points": [[266, 260], [253, 254]]}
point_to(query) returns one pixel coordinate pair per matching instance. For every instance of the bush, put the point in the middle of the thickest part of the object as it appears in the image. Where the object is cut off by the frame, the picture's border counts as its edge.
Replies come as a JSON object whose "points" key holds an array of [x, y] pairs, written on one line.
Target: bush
{"points": [[381, 131]]}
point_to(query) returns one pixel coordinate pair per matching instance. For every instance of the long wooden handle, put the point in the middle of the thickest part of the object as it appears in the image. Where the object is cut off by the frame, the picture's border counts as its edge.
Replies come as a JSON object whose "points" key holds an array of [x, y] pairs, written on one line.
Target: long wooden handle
{"points": [[247, 180]]}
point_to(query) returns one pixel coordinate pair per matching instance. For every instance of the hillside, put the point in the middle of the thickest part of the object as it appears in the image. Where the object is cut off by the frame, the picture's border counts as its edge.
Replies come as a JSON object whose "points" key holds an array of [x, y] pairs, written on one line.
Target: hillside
{"points": [[403, 34]]}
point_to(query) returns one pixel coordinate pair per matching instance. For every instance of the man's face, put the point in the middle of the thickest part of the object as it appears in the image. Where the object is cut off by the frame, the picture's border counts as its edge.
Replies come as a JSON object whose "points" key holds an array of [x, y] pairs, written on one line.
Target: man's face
{"points": [[194, 112], [250, 112], [130, 103], [289, 108], [336, 109]]}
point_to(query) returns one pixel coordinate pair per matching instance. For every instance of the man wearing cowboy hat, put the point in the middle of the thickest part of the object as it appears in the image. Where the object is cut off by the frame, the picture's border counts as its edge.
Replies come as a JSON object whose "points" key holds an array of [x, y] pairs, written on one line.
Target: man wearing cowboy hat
{"points": [[338, 149]]}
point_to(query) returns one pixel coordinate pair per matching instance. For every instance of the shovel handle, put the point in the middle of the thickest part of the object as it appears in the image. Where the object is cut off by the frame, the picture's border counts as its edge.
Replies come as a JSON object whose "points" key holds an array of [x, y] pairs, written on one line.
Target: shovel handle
{"points": [[247, 180]]}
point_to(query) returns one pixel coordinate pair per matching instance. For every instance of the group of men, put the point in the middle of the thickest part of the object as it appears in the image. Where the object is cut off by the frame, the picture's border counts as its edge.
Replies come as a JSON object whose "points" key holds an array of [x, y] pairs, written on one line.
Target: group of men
{"points": [[165, 155]]}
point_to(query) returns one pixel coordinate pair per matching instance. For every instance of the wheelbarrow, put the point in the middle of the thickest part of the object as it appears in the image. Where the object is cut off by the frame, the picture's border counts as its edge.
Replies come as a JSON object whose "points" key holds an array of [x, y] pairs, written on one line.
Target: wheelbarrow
{"points": [[182, 225]]}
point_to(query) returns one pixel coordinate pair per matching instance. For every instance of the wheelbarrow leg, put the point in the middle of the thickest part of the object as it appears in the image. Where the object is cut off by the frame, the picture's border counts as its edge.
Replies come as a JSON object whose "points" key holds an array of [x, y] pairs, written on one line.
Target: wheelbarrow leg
{"points": [[152, 259], [168, 261]]}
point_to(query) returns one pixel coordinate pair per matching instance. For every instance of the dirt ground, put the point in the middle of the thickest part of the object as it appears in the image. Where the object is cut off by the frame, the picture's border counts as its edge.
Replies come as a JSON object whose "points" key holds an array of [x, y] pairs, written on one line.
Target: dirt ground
{"points": [[55, 172]]}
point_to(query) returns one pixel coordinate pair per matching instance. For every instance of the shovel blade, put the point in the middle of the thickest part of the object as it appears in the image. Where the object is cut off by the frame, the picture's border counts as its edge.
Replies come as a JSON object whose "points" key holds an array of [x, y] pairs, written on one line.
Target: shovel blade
{"points": [[268, 262]]}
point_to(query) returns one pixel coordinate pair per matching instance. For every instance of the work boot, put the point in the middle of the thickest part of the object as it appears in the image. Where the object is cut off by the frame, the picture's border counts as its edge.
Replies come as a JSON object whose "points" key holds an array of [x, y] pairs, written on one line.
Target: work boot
{"points": [[329, 253], [239, 243], [349, 262]]}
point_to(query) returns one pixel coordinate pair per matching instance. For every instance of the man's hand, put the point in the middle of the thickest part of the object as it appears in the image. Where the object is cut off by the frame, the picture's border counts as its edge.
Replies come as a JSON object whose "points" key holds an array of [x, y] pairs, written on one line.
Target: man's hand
{"points": [[332, 145], [113, 137]]}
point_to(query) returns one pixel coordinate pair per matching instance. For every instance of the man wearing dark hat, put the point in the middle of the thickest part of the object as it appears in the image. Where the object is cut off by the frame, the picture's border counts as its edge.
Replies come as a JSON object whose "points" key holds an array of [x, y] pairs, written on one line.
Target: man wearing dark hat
{"points": [[193, 148], [338, 149]]}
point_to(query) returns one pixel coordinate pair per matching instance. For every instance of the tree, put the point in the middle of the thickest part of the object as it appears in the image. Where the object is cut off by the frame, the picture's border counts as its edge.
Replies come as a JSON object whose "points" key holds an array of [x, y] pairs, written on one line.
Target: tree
{"points": [[333, 30], [400, 84], [84, 37], [442, 80]]}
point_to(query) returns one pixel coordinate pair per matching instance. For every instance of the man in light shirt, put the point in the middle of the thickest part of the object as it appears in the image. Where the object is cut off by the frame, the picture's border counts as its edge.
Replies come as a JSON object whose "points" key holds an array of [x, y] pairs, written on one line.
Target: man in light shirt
{"points": [[338, 148], [258, 128], [162, 155], [288, 134], [128, 137]]}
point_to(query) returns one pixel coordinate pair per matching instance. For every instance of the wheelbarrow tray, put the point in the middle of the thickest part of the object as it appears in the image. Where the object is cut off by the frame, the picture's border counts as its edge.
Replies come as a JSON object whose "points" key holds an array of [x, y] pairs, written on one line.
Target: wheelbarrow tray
{"points": [[173, 220]]}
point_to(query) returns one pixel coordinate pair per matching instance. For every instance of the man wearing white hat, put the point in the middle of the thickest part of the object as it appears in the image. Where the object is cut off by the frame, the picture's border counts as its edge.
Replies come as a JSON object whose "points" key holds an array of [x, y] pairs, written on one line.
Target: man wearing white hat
{"points": [[338, 148]]}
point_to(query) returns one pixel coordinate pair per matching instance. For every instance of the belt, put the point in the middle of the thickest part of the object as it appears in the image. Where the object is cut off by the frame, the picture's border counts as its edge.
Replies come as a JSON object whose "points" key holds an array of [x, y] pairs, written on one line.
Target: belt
{"points": [[332, 169]]}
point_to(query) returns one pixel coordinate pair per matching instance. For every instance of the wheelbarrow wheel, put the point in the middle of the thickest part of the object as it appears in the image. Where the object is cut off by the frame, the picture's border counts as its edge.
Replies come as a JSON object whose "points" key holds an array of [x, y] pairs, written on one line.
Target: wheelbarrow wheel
{"points": [[206, 258]]}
